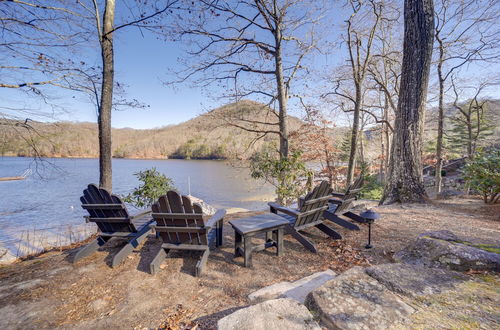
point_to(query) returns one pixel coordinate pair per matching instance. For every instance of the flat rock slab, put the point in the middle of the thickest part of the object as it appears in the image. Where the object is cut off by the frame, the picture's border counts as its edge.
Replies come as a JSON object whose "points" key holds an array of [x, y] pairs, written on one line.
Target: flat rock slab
{"points": [[414, 281], [442, 249], [302, 287], [354, 300], [286, 314], [297, 290], [270, 292]]}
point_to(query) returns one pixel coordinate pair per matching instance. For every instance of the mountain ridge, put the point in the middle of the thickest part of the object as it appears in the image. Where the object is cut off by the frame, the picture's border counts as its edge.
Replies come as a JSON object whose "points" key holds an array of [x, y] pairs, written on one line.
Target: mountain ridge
{"points": [[206, 136]]}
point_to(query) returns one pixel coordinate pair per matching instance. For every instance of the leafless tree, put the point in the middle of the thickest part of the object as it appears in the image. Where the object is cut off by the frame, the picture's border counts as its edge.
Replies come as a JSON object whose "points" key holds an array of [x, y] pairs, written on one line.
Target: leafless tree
{"points": [[252, 48], [37, 47], [384, 71], [466, 31], [44, 43], [361, 28], [105, 27]]}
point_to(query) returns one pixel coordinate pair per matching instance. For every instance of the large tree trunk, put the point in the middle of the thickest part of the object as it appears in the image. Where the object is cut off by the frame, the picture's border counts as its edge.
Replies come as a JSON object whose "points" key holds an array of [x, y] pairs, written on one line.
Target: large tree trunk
{"points": [[106, 102], [354, 136], [439, 144], [405, 183]]}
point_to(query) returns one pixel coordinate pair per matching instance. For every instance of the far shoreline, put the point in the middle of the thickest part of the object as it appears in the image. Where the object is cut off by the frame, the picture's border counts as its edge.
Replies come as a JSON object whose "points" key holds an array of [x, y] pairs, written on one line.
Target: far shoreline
{"points": [[128, 158]]}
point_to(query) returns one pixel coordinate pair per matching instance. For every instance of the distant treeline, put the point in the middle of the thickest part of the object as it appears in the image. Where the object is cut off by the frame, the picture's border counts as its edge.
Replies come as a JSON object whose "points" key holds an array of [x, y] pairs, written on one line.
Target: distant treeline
{"points": [[203, 137]]}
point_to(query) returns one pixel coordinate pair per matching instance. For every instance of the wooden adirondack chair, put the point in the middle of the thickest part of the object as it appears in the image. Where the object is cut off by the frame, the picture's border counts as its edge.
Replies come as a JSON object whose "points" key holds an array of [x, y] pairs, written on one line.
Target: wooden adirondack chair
{"points": [[308, 214], [182, 226], [112, 219], [342, 205]]}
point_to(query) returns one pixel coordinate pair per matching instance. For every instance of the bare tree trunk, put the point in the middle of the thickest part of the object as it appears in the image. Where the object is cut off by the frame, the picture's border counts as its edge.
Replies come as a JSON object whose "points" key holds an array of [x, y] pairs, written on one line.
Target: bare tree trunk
{"points": [[470, 152], [387, 137], [106, 101], [282, 101], [361, 143], [354, 137], [381, 169], [405, 183], [439, 144]]}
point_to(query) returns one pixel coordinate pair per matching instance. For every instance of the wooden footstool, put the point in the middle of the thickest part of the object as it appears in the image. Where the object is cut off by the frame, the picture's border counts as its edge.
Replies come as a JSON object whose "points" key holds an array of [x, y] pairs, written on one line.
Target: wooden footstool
{"points": [[244, 229]]}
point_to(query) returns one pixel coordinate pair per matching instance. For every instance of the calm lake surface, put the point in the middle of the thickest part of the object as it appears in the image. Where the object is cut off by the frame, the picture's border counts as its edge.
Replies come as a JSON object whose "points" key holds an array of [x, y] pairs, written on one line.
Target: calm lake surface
{"points": [[45, 210]]}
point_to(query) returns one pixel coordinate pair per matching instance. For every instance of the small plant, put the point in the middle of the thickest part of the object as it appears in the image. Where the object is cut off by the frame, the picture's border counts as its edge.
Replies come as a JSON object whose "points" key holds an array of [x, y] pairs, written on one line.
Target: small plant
{"points": [[284, 174], [482, 174], [371, 189], [154, 184]]}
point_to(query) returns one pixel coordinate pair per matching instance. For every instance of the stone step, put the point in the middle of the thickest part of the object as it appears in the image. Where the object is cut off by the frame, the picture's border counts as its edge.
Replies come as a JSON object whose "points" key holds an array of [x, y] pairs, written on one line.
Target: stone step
{"points": [[285, 314], [297, 290]]}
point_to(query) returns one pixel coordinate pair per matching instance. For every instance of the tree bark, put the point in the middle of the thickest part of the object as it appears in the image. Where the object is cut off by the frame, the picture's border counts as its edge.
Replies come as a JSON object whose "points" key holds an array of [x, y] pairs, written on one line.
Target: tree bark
{"points": [[354, 136], [470, 152], [282, 96], [387, 138], [439, 144], [405, 182], [106, 101]]}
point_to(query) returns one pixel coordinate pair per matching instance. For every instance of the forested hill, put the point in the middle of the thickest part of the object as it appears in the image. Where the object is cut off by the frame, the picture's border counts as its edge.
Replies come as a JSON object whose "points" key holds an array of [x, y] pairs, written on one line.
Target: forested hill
{"points": [[207, 136]]}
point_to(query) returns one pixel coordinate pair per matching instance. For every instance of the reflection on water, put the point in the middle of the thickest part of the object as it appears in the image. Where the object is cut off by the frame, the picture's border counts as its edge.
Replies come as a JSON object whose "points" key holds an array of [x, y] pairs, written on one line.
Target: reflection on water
{"points": [[48, 202]]}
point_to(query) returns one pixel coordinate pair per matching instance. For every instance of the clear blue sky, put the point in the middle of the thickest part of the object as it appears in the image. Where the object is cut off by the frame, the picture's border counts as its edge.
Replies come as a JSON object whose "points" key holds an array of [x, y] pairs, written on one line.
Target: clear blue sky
{"points": [[142, 63]]}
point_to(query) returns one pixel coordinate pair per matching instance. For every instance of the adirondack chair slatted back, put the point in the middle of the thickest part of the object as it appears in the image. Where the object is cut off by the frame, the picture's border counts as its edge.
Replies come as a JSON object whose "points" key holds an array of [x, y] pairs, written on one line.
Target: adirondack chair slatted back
{"points": [[178, 221], [106, 210], [314, 204], [350, 196]]}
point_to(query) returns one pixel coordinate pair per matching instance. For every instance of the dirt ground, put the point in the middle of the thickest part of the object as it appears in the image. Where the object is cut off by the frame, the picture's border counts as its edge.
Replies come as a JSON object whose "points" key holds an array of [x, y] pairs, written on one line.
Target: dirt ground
{"points": [[48, 291]]}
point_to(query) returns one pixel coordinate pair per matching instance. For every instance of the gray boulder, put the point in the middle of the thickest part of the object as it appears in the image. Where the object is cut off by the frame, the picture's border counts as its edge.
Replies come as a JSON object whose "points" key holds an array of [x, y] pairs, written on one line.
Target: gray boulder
{"points": [[443, 249], [284, 313], [414, 281], [354, 300]]}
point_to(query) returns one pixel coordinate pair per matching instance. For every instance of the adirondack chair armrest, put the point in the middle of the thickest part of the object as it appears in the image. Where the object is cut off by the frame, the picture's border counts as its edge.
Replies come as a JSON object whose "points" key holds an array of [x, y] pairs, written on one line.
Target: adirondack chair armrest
{"points": [[140, 214], [335, 201], [218, 216], [286, 210]]}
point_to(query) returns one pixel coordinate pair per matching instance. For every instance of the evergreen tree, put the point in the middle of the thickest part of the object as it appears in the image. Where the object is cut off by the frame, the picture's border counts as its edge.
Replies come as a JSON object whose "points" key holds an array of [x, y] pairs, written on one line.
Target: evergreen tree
{"points": [[470, 125]]}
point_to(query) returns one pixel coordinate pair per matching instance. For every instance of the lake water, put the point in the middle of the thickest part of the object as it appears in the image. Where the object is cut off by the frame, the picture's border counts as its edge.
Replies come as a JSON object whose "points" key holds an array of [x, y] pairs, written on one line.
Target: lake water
{"points": [[44, 210]]}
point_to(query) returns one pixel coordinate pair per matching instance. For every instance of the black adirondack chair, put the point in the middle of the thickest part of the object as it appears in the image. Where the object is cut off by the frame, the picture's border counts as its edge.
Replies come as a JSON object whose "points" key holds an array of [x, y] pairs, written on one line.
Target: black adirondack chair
{"points": [[308, 214], [112, 219], [342, 204], [182, 226]]}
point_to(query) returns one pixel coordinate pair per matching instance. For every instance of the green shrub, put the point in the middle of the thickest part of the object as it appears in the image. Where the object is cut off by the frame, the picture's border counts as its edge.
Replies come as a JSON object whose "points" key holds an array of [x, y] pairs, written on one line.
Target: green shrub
{"points": [[285, 175], [372, 189], [154, 184], [482, 174]]}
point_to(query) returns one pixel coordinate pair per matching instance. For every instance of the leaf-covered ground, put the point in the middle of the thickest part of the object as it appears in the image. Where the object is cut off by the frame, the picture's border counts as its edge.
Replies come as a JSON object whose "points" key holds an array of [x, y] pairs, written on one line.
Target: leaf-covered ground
{"points": [[48, 291]]}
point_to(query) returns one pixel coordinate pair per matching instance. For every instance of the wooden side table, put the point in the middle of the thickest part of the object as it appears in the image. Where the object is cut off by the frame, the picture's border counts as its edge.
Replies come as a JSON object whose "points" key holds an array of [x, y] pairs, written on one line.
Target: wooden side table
{"points": [[245, 229]]}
